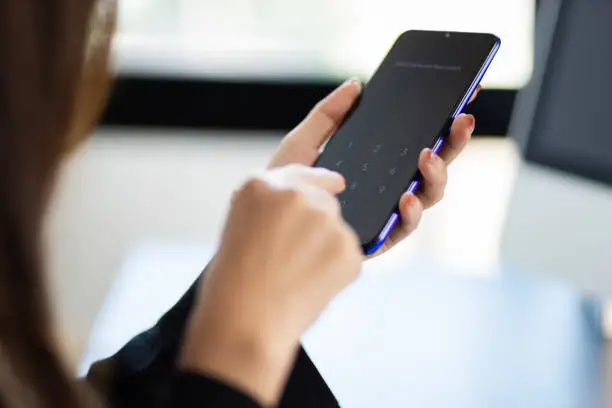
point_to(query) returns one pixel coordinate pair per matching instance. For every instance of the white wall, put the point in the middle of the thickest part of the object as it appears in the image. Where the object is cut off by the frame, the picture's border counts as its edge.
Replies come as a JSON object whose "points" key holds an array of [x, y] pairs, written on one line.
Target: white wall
{"points": [[123, 188]]}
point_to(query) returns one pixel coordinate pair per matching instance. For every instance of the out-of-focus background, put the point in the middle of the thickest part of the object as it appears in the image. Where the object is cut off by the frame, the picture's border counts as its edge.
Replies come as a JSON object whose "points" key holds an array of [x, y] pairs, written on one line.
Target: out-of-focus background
{"points": [[204, 92]]}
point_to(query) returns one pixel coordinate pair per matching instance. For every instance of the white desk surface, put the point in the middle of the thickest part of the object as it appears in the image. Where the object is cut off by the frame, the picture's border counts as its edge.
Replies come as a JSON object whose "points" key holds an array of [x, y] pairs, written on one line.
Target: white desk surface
{"points": [[406, 334]]}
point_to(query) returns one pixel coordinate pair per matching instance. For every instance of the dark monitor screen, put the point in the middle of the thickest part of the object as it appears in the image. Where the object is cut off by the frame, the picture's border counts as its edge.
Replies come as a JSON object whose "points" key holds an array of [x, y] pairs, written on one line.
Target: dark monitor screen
{"points": [[568, 105]]}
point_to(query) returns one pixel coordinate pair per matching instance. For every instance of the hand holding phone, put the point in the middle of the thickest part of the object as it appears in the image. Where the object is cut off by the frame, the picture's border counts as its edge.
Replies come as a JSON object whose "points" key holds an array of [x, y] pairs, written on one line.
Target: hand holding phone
{"points": [[409, 104]]}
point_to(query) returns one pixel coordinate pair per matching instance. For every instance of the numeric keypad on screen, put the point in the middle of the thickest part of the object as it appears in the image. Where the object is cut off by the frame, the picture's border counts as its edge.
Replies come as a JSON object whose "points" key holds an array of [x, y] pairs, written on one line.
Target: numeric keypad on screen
{"points": [[372, 169]]}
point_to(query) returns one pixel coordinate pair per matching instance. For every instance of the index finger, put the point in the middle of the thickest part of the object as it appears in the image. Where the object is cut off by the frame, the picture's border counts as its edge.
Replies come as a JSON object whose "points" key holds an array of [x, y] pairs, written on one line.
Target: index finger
{"points": [[298, 176], [330, 181], [319, 198]]}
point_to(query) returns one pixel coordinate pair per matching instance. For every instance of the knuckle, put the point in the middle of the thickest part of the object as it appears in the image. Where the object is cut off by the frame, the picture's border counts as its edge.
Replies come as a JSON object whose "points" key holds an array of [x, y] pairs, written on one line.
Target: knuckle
{"points": [[253, 189], [316, 109], [291, 198], [254, 186]]}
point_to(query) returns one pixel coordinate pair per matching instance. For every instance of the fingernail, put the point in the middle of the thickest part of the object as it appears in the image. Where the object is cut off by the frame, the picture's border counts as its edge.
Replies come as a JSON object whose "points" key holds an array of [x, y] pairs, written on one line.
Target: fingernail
{"points": [[354, 81]]}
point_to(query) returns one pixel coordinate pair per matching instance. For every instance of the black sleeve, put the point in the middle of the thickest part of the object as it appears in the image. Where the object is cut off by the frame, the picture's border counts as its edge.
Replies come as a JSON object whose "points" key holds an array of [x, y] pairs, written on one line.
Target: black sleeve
{"points": [[196, 391], [143, 373]]}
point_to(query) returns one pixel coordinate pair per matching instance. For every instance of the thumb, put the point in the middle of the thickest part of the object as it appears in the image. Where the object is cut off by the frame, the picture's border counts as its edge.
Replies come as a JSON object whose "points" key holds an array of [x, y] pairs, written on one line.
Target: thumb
{"points": [[326, 116]]}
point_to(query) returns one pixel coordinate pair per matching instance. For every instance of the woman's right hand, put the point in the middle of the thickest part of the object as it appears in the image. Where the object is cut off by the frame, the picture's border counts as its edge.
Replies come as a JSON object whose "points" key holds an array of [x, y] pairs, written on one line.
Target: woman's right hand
{"points": [[285, 253]]}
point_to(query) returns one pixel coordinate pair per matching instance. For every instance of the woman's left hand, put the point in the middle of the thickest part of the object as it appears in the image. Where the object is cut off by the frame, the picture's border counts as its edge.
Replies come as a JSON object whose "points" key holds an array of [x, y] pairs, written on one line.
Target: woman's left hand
{"points": [[302, 146]]}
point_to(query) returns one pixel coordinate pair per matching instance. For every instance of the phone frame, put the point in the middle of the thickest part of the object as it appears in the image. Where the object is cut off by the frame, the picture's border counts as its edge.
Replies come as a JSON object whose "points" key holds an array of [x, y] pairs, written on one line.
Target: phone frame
{"points": [[373, 246]]}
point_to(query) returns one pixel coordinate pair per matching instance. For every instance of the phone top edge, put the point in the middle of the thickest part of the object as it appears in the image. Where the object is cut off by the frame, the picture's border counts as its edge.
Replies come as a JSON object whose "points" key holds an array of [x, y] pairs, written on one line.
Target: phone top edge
{"points": [[497, 41], [440, 32]]}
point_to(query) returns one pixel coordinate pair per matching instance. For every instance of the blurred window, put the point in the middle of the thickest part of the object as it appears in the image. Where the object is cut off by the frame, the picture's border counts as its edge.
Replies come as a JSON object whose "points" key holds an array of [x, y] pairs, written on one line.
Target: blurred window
{"points": [[307, 40]]}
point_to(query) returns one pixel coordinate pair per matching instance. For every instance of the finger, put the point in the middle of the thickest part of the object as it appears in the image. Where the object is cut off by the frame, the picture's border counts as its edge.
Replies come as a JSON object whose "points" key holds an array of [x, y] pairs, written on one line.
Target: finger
{"points": [[460, 134], [475, 94], [321, 198], [330, 181], [411, 212], [433, 169], [297, 176], [326, 116]]}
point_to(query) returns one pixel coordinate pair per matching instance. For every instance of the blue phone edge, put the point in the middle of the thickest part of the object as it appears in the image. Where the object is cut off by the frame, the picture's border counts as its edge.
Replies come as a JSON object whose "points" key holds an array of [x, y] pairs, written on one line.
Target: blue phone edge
{"points": [[370, 249]]}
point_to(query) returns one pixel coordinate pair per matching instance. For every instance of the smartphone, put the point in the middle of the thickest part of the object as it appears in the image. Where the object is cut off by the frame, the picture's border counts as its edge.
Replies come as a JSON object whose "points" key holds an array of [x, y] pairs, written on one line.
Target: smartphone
{"points": [[409, 104]]}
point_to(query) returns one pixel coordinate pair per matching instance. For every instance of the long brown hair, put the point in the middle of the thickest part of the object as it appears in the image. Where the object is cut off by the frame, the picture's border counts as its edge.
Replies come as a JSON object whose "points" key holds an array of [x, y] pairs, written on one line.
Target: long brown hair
{"points": [[53, 70]]}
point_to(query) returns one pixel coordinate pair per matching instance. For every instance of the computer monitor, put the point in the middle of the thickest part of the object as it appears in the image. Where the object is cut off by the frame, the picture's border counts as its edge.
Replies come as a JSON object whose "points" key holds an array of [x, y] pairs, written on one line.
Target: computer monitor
{"points": [[562, 118], [559, 216]]}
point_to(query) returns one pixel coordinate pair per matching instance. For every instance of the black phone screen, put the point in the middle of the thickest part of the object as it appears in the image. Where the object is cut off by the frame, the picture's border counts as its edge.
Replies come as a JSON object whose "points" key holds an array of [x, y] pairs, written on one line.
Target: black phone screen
{"points": [[408, 103]]}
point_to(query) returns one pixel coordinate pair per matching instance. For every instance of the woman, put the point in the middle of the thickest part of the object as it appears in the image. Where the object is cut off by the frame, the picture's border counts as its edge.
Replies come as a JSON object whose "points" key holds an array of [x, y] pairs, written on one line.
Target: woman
{"points": [[233, 340]]}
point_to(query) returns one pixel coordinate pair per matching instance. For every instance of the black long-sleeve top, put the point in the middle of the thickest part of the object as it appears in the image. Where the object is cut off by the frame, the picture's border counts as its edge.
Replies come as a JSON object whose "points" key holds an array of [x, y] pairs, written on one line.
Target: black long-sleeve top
{"points": [[144, 374]]}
